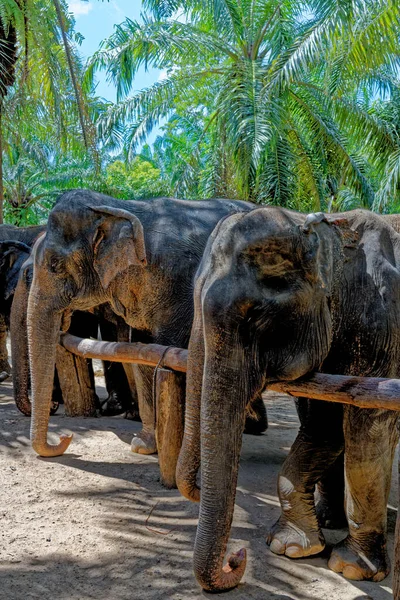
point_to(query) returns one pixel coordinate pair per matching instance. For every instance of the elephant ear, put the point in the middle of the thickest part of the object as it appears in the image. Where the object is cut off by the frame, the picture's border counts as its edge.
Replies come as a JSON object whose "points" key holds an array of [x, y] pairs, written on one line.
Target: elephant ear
{"points": [[118, 243], [313, 226], [340, 222], [342, 227], [12, 255]]}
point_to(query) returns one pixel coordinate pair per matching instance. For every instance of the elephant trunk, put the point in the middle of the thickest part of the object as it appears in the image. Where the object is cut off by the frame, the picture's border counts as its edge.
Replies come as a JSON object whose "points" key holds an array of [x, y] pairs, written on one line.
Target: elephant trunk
{"points": [[43, 333], [19, 345], [189, 456], [222, 422]]}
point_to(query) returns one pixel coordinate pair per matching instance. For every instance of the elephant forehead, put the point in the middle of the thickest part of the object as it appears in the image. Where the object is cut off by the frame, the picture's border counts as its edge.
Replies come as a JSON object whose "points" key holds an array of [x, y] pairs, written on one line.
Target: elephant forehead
{"points": [[67, 225]]}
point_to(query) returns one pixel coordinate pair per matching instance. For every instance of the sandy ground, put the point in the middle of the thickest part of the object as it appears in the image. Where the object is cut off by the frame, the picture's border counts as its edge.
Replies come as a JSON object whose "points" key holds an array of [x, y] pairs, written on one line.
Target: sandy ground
{"points": [[97, 524]]}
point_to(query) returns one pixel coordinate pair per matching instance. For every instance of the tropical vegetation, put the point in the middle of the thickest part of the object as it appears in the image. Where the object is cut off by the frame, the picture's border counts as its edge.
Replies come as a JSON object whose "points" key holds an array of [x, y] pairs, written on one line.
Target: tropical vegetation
{"points": [[290, 102]]}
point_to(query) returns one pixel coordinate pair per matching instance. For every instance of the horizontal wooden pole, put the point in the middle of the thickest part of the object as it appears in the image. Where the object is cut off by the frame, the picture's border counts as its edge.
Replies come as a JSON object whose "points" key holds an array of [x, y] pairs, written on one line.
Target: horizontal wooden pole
{"points": [[124, 352], [364, 392]]}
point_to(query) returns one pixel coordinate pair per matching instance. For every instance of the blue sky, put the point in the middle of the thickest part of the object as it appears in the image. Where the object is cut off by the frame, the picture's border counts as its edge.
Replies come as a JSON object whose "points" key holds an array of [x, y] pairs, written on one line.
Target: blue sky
{"points": [[95, 20]]}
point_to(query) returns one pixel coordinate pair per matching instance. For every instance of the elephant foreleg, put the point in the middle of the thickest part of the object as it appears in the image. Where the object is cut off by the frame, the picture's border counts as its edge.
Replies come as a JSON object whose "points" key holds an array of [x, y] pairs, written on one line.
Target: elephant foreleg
{"points": [[5, 369], [145, 442], [370, 440], [318, 444]]}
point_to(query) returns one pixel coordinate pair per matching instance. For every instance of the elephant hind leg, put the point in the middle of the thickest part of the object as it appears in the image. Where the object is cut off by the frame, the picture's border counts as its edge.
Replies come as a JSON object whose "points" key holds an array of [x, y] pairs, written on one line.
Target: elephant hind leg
{"points": [[370, 437], [5, 369], [330, 506], [320, 441]]}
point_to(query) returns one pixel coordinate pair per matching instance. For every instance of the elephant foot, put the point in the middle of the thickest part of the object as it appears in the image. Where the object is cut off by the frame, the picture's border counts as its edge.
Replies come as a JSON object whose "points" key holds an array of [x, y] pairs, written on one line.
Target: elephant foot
{"points": [[133, 414], [144, 443], [4, 375], [5, 369], [112, 406], [358, 563], [330, 517], [54, 406], [288, 539]]}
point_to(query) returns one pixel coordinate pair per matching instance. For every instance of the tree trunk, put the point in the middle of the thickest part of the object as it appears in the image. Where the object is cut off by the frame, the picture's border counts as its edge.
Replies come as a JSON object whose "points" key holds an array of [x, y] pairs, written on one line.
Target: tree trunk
{"points": [[75, 84], [170, 402], [88, 132], [1, 164], [8, 59]]}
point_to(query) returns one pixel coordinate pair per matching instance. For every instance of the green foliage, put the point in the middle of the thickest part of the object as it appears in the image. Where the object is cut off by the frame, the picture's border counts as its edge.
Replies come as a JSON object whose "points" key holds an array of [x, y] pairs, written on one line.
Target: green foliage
{"points": [[289, 102], [267, 100], [137, 179]]}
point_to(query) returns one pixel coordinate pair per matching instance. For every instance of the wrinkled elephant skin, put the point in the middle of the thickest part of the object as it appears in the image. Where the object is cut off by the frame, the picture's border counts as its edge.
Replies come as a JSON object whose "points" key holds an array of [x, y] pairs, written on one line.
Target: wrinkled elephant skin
{"points": [[279, 295], [139, 256]]}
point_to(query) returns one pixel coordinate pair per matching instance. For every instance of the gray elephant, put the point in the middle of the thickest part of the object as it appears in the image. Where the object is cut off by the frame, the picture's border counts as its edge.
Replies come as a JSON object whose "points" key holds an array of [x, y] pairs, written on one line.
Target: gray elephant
{"points": [[26, 236], [279, 295], [141, 257], [16, 272]]}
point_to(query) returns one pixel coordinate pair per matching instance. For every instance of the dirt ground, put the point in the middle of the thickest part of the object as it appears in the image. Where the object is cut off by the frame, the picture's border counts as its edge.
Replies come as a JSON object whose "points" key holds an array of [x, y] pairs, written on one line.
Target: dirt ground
{"points": [[96, 523]]}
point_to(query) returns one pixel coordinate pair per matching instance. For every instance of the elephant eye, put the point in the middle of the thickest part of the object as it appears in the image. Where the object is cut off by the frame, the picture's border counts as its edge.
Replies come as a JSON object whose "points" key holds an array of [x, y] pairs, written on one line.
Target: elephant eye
{"points": [[55, 265]]}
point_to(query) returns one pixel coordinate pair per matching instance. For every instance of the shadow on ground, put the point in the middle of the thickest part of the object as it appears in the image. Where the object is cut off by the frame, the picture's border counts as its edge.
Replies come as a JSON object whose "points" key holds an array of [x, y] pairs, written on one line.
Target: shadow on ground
{"points": [[96, 522]]}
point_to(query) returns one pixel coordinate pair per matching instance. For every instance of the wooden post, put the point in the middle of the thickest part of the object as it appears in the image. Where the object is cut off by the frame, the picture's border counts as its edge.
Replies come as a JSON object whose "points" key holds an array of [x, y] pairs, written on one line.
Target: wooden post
{"points": [[76, 384], [170, 410]]}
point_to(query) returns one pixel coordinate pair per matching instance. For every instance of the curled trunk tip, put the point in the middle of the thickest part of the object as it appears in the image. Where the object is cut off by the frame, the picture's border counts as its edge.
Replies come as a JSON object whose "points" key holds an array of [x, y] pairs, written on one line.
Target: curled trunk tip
{"points": [[187, 489], [49, 450], [24, 407], [186, 475], [229, 577]]}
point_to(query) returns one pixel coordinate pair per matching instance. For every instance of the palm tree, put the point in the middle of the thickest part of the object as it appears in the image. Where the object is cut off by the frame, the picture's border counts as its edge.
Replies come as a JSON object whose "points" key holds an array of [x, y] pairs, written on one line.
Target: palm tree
{"points": [[8, 59], [45, 78], [277, 84]]}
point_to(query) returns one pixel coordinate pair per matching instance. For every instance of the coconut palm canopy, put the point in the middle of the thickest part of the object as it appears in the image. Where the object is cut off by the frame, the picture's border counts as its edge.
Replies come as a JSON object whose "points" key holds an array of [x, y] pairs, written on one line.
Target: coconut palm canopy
{"points": [[287, 102]]}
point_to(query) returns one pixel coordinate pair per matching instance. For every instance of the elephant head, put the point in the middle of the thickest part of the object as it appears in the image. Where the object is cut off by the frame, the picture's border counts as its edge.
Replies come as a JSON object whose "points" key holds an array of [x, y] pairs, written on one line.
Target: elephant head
{"points": [[12, 255], [263, 312], [89, 244]]}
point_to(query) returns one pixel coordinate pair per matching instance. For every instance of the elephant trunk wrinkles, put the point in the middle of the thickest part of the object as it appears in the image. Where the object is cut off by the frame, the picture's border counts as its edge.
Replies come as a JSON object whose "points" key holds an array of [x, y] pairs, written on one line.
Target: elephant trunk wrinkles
{"points": [[221, 440], [189, 456], [43, 331], [19, 346]]}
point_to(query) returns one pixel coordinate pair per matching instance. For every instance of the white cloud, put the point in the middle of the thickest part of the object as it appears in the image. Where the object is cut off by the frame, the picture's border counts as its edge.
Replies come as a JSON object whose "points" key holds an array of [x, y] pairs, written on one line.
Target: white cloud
{"points": [[78, 7], [163, 75]]}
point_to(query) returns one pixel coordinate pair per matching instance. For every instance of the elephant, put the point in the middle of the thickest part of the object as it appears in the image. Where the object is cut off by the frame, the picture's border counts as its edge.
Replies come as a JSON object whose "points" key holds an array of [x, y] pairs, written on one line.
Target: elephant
{"points": [[279, 295], [138, 256], [24, 235], [331, 488], [16, 272]]}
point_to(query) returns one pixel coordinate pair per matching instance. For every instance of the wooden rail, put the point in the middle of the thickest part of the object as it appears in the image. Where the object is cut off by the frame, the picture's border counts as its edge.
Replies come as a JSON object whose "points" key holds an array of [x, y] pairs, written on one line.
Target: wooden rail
{"points": [[123, 352], [364, 392]]}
